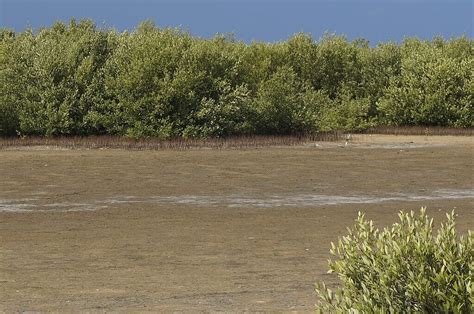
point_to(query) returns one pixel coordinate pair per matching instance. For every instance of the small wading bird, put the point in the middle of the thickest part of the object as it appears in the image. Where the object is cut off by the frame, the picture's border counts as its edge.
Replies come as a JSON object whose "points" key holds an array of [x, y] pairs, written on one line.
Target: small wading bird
{"points": [[348, 139]]}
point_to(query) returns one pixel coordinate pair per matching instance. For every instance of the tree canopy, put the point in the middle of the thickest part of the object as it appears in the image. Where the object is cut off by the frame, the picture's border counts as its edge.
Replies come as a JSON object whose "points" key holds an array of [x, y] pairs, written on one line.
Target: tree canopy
{"points": [[77, 79]]}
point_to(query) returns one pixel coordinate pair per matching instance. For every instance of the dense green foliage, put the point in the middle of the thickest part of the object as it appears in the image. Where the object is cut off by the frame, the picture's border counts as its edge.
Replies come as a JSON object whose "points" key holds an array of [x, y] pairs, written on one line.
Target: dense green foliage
{"points": [[404, 268], [77, 79]]}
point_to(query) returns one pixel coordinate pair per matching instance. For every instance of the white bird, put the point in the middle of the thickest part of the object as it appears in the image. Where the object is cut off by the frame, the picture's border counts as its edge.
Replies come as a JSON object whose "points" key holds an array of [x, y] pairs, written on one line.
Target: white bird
{"points": [[348, 138]]}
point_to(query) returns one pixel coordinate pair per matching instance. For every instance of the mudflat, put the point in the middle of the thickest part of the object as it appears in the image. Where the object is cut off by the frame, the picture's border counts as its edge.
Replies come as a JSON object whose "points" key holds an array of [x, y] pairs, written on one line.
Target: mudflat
{"points": [[206, 229]]}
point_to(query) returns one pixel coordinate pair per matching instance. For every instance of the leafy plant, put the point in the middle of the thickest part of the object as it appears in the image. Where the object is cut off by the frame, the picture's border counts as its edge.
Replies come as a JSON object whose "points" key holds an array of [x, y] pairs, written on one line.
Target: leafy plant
{"points": [[229, 115], [284, 105], [404, 268], [434, 87]]}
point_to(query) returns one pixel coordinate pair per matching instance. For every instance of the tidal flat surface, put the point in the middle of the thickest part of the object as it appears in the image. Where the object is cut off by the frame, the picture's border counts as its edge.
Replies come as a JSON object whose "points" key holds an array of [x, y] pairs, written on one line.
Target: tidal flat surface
{"points": [[119, 230]]}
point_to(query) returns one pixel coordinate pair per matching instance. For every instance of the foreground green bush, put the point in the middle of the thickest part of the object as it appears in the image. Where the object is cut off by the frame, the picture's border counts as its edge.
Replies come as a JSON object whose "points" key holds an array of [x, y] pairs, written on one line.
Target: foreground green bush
{"points": [[403, 268]]}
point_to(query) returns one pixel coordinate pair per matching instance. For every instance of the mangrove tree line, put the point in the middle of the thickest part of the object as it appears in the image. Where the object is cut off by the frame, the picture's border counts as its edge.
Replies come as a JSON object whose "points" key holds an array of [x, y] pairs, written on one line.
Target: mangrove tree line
{"points": [[78, 79]]}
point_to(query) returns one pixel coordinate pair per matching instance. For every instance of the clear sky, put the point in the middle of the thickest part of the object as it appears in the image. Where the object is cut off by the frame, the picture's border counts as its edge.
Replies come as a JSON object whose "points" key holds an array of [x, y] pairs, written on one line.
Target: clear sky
{"points": [[376, 20]]}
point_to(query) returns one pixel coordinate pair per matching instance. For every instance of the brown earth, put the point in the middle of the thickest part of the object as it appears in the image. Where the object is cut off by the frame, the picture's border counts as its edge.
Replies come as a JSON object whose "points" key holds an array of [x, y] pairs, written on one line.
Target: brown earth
{"points": [[211, 230]]}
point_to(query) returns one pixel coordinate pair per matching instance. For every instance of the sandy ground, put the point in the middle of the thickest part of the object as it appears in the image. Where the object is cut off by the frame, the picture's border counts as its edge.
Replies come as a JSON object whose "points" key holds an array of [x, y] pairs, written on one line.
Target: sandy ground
{"points": [[211, 230]]}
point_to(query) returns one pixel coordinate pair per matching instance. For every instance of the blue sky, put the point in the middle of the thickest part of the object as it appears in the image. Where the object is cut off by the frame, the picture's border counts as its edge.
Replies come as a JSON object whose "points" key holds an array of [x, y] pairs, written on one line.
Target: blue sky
{"points": [[267, 20]]}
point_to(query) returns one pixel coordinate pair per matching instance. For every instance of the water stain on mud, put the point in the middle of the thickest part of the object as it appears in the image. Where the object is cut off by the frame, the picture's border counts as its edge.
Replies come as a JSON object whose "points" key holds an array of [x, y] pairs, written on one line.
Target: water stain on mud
{"points": [[230, 201]]}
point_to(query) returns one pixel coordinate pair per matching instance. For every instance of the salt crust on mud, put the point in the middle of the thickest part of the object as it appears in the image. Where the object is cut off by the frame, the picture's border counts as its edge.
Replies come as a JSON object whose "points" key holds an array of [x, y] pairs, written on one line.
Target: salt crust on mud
{"points": [[230, 201]]}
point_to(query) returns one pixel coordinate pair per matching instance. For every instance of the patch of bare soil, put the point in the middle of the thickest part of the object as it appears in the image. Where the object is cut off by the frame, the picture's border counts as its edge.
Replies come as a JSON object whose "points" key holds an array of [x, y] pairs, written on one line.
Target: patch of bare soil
{"points": [[250, 229]]}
